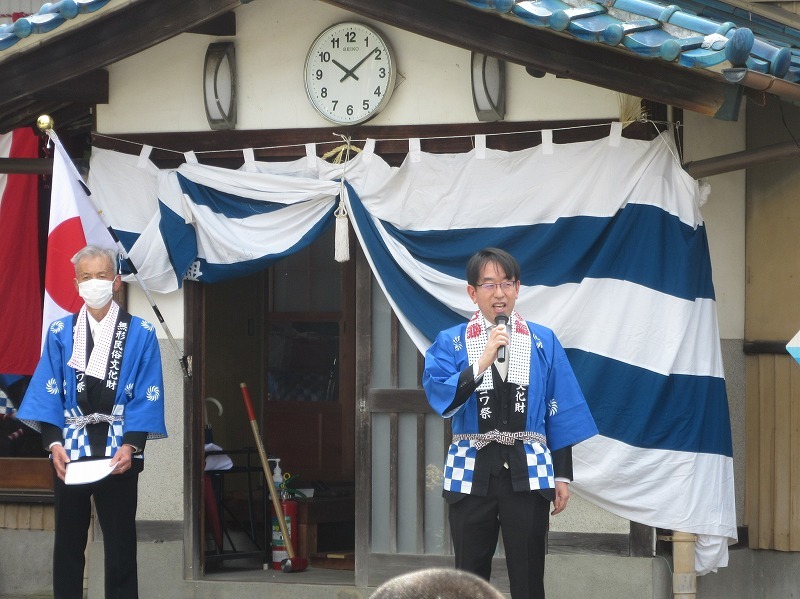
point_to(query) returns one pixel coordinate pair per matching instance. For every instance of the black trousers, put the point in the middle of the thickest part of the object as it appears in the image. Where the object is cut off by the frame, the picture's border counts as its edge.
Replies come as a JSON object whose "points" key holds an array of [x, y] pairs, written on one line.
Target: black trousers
{"points": [[115, 499], [524, 519]]}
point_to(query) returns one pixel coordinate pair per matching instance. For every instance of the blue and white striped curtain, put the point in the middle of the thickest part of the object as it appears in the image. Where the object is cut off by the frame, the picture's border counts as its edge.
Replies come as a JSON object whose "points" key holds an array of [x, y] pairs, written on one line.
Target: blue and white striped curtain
{"points": [[614, 259]]}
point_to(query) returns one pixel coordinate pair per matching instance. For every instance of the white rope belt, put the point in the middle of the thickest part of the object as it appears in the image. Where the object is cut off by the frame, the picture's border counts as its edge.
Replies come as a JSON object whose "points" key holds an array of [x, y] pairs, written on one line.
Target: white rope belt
{"points": [[81, 421], [483, 439]]}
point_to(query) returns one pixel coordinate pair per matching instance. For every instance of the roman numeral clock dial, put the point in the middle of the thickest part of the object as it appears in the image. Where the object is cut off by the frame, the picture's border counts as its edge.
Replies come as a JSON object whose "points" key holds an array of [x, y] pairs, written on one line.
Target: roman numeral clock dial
{"points": [[350, 73]]}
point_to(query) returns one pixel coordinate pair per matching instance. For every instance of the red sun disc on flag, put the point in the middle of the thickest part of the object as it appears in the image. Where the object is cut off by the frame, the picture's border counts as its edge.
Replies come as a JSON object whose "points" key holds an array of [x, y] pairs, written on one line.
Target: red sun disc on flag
{"points": [[62, 244]]}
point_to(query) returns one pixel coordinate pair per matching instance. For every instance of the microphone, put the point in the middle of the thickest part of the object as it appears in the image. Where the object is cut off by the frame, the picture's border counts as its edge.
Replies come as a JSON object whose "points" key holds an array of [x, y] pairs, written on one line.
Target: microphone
{"points": [[501, 351]]}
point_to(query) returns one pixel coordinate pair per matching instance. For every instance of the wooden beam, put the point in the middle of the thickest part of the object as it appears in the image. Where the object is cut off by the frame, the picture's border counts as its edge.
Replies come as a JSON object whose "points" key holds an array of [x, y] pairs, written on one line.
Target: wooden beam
{"points": [[68, 101], [33, 474], [87, 88], [642, 539], [587, 543], [363, 418], [541, 49], [753, 348], [75, 117], [113, 37], [26, 166], [224, 148], [745, 159], [194, 302], [25, 114], [223, 26]]}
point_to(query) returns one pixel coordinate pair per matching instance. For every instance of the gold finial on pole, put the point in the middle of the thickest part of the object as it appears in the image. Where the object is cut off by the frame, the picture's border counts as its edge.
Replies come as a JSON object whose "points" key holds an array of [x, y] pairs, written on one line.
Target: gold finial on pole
{"points": [[45, 123]]}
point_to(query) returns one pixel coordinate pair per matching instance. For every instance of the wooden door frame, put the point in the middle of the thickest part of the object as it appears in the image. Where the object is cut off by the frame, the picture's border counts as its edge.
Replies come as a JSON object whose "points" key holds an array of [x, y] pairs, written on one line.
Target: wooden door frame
{"points": [[363, 424], [193, 433]]}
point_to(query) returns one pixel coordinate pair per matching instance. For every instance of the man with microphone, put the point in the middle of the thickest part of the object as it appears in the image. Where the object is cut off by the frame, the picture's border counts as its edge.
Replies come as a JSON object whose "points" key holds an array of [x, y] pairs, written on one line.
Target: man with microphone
{"points": [[516, 410]]}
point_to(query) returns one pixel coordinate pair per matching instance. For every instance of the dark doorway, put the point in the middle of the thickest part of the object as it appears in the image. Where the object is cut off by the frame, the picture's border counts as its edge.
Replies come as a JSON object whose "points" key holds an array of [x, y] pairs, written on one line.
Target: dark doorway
{"points": [[288, 332]]}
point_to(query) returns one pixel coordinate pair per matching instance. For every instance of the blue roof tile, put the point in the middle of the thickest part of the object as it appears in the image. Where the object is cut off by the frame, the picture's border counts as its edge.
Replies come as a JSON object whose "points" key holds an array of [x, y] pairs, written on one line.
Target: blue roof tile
{"points": [[698, 34], [538, 13], [49, 17]]}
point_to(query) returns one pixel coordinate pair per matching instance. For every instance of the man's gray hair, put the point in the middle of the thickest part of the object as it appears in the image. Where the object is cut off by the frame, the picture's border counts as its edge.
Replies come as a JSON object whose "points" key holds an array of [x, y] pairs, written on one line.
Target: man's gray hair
{"points": [[93, 251], [437, 583]]}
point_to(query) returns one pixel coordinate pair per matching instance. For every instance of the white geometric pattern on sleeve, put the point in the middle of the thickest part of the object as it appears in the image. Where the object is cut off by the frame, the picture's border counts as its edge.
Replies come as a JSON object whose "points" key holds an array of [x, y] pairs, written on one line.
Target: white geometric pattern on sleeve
{"points": [[552, 407], [51, 386]]}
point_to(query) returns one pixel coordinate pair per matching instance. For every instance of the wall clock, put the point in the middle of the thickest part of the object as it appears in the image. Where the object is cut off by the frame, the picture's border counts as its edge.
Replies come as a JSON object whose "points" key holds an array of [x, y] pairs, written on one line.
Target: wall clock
{"points": [[350, 73]]}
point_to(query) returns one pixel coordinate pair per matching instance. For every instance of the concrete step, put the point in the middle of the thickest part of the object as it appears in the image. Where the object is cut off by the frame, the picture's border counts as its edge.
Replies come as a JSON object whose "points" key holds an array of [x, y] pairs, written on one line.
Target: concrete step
{"points": [[567, 576]]}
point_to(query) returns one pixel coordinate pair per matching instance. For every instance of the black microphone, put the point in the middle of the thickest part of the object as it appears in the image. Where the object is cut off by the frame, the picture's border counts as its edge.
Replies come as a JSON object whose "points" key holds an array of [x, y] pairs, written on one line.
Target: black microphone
{"points": [[501, 351]]}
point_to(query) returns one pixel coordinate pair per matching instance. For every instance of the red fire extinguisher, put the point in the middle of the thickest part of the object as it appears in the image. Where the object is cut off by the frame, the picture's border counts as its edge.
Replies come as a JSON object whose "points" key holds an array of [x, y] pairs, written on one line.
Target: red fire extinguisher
{"points": [[279, 552]]}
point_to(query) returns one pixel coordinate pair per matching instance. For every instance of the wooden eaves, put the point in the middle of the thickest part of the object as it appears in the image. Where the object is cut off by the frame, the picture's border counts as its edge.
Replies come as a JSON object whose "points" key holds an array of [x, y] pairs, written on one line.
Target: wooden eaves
{"points": [[64, 74], [69, 82], [31, 77], [548, 51]]}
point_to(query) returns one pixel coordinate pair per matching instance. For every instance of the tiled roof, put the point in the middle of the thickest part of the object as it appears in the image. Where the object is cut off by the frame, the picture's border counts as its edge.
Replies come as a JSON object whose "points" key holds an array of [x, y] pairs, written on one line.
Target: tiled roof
{"points": [[701, 34], [49, 17], [708, 35]]}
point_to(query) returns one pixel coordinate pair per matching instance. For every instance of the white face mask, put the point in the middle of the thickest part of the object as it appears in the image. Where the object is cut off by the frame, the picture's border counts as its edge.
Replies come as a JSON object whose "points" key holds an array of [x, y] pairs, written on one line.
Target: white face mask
{"points": [[96, 292]]}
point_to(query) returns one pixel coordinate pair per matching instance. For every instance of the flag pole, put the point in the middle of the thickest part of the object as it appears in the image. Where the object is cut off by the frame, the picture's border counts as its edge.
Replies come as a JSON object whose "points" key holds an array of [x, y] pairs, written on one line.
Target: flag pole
{"points": [[45, 124]]}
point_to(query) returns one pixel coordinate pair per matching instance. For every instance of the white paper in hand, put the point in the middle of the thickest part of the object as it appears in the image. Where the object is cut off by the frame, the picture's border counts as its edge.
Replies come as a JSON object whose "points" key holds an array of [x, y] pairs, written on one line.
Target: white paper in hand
{"points": [[87, 471]]}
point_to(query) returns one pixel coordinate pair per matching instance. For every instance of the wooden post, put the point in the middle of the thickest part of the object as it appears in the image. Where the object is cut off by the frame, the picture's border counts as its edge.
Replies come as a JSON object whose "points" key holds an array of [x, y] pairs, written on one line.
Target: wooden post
{"points": [[684, 579]]}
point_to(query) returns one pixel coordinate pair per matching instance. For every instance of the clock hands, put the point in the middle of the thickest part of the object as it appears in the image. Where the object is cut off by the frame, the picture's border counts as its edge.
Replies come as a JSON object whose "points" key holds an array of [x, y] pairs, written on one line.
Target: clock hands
{"points": [[352, 72], [348, 72]]}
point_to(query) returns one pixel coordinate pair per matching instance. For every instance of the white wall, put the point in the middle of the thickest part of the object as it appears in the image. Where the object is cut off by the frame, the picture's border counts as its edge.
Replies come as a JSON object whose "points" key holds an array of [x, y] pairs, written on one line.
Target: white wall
{"points": [[161, 483], [724, 214], [161, 89]]}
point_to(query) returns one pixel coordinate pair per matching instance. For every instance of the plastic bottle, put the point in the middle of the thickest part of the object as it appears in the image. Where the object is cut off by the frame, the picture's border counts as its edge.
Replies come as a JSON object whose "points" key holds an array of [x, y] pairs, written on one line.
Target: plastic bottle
{"points": [[277, 474]]}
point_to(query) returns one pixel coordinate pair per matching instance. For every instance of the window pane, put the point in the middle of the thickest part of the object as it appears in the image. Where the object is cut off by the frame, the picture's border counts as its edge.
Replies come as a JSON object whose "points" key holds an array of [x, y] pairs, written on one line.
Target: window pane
{"points": [[309, 280], [303, 361]]}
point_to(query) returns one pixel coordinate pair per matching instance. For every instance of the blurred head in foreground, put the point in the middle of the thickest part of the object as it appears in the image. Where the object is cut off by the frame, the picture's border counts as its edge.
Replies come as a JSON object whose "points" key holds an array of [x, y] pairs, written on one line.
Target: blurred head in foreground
{"points": [[437, 583]]}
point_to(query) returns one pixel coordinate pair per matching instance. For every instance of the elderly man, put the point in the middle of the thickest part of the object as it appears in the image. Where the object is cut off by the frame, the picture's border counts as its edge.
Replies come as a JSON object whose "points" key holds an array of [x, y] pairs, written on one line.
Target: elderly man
{"points": [[97, 393]]}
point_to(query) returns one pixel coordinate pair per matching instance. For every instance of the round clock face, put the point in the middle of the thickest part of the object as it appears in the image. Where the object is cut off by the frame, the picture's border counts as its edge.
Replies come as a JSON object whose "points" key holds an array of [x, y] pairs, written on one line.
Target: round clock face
{"points": [[350, 73]]}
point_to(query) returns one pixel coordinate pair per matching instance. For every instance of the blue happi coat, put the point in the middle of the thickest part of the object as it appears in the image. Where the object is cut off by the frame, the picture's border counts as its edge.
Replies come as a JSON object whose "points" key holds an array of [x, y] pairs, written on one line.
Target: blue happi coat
{"points": [[556, 409], [139, 394]]}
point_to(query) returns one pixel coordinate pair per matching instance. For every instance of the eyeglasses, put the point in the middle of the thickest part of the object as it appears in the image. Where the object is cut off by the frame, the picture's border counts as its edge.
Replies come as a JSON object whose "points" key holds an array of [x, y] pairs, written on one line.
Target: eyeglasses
{"points": [[505, 286]]}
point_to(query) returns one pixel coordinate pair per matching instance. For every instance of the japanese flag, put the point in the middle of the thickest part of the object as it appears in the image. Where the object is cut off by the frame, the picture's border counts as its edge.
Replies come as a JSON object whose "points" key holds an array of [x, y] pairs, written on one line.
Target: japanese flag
{"points": [[74, 223]]}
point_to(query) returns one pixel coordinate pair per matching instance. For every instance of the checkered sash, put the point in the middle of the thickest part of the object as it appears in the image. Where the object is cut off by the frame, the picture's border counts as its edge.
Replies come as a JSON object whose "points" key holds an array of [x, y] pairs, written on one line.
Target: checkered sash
{"points": [[6, 406], [76, 437], [459, 467], [481, 440]]}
